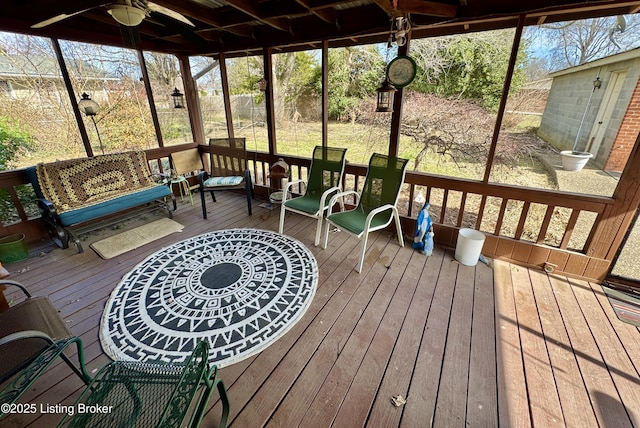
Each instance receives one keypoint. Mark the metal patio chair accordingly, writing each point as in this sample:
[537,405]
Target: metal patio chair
[32,337]
[324,180]
[151,394]
[376,205]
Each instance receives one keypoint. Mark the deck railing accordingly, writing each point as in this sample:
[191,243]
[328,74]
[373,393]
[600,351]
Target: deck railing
[510,214]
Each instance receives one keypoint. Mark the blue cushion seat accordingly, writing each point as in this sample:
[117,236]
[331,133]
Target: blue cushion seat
[223,181]
[90,212]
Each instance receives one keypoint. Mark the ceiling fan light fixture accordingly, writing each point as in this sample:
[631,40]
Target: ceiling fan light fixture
[126,15]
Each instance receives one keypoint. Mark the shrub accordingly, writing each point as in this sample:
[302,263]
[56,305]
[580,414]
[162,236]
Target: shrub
[12,139]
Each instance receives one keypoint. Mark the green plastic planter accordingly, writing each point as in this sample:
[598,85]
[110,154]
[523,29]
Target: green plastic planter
[13,248]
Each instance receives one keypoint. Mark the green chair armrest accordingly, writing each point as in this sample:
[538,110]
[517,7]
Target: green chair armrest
[23,380]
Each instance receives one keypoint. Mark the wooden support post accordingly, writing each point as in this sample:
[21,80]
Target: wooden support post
[193,100]
[225,94]
[503,99]
[74,101]
[396,116]
[152,104]
[610,231]
[325,92]
[269,102]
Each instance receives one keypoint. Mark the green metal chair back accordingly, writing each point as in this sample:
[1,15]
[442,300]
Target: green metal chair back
[382,185]
[326,170]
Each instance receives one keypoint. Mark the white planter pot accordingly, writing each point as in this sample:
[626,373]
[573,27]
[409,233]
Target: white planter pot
[574,161]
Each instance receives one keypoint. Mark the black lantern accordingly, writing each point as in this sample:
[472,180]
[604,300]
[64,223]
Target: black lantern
[178,98]
[90,108]
[87,105]
[385,97]
[597,83]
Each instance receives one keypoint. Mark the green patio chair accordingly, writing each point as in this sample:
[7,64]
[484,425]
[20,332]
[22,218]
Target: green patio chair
[151,394]
[19,383]
[324,180]
[229,170]
[32,337]
[376,205]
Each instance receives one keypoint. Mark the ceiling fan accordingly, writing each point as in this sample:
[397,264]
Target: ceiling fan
[127,12]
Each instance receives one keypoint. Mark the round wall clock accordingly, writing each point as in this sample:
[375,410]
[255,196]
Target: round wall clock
[401,71]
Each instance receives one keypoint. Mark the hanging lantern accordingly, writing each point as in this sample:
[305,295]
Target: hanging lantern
[385,97]
[87,105]
[262,84]
[178,98]
[597,84]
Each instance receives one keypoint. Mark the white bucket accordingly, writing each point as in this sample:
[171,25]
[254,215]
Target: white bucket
[469,246]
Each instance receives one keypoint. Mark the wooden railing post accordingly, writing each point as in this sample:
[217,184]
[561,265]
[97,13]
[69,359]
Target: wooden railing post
[609,233]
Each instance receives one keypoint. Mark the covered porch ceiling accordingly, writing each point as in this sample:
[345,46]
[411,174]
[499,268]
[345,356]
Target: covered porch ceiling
[240,27]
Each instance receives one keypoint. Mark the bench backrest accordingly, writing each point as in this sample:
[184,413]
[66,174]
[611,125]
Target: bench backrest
[74,183]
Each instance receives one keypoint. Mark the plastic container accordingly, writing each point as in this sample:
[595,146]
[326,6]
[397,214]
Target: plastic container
[469,246]
[13,248]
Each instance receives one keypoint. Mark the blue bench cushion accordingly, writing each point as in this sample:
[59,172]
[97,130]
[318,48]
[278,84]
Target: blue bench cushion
[90,212]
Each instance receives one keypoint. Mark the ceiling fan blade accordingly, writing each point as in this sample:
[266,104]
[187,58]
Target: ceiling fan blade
[58,18]
[153,7]
[63,16]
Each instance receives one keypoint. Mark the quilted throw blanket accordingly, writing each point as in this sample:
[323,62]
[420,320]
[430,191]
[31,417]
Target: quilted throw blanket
[76,183]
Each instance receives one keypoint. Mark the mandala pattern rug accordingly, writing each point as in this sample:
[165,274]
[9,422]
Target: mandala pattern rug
[240,289]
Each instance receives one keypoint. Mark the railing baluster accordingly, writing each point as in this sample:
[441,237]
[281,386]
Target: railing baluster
[463,201]
[503,208]
[523,219]
[412,189]
[573,219]
[483,202]
[443,210]
[545,224]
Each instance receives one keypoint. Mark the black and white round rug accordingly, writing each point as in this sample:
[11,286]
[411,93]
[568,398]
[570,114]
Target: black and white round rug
[240,289]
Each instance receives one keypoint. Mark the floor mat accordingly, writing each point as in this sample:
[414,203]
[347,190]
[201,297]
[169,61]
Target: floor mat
[134,238]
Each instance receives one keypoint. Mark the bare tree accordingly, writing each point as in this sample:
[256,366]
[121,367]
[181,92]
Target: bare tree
[567,44]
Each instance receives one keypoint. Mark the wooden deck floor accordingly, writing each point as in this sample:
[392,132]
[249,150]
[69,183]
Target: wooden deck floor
[465,346]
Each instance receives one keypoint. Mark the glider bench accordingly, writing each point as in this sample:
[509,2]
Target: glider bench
[72,194]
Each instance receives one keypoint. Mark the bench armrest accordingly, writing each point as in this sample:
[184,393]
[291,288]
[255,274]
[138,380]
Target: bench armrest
[46,207]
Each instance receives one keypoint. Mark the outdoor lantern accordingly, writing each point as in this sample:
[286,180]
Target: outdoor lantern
[178,98]
[597,83]
[262,84]
[385,97]
[87,105]
[90,108]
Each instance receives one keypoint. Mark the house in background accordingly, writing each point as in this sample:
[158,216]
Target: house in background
[604,120]
[39,79]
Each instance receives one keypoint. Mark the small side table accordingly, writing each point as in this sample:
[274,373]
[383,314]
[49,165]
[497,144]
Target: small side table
[183,185]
